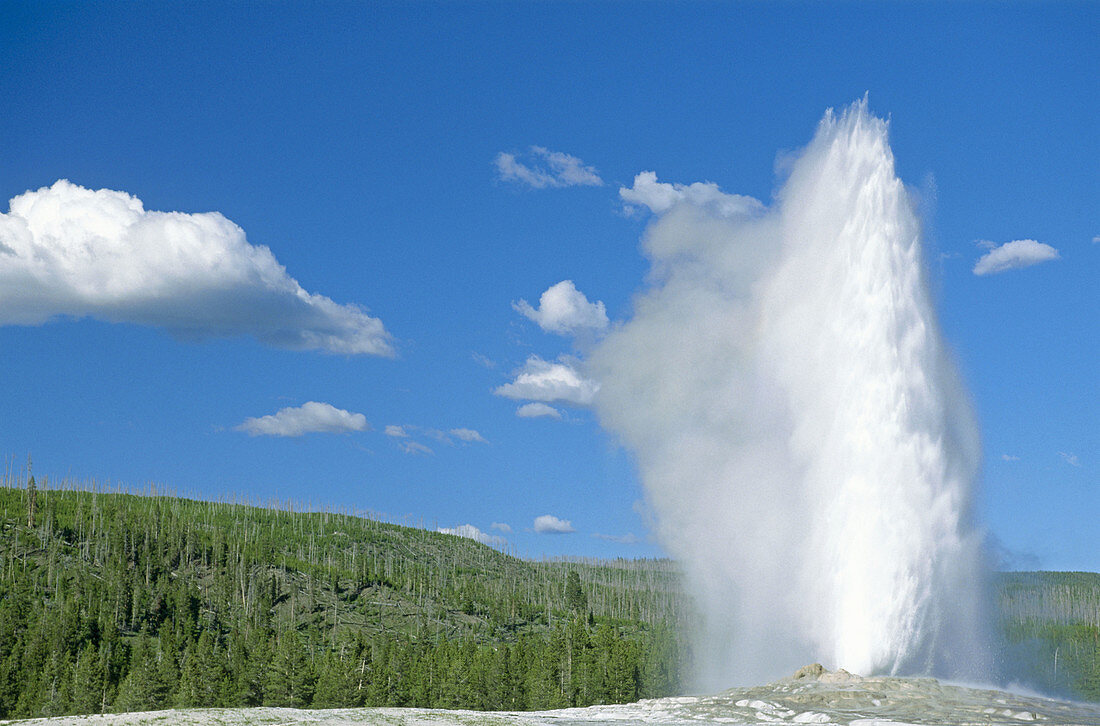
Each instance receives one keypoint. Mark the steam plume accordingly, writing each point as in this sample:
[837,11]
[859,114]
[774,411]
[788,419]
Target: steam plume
[801,432]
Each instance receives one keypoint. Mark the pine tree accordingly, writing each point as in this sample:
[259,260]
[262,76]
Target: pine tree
[289,680]
[336,683]
[89,682]
[57,685]
[138,691]
[575,598]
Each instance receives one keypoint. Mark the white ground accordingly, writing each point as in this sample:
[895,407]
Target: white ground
[833,699]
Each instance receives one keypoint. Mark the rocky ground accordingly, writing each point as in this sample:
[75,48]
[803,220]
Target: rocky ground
[813,695]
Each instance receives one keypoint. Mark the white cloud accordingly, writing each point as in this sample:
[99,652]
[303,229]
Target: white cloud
[414,447]
[436,434]
[541,380]
[501,527]
[1069,458]
[537,410]
[1009,457]
[547,169]
[1013,256]
[310,417]
[411,447]
[468,435]
[70,251]
[627,539]
[549,524]
[469,531]
[1096,239]
[660,197]
[483,360]
[563,309]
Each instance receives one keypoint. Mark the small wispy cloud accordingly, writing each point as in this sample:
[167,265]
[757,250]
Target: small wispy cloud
[543,168]
[1009,457]
[1007,558]
[468,435]
[70,251]
[549,524]
[483,360]
[501,527]
[414,447]
[1069,458]
[628,539]
[660,197]
[310,417]
[1013,255]
[404,433]
[469,531]
[537,410]
[436,434]
[541,380]
[563,309]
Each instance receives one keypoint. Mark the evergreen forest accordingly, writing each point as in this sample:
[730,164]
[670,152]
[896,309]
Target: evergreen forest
[111,601]
[118,602]
[1051,624]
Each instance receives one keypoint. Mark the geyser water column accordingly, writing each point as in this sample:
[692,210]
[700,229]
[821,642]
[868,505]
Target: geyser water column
[800,429]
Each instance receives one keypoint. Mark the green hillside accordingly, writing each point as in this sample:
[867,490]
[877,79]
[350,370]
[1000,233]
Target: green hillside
[113,601]
[1051,622]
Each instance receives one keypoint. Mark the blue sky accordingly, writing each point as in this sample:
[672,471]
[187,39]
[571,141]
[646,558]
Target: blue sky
[361,144]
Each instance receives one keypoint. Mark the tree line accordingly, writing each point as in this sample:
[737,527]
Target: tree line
[117,602]
[1051,623]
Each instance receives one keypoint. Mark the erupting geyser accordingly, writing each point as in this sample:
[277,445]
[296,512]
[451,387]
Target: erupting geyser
[801,431]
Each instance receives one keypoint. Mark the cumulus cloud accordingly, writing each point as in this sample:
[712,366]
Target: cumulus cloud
[395,431]
[537,410]
[310,417]
[71,251]
[546,168]
[660,197]
[541,380]
[500,527]
[563,309]
[469,531]
[627,539]
[1013,256]
[549,524]
[468,435]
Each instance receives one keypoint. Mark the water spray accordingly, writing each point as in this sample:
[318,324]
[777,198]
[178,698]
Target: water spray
[799,426]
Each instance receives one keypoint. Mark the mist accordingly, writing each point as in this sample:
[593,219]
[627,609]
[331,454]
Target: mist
[800,429]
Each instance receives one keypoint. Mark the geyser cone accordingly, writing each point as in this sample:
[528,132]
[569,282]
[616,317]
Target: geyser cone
[800,429]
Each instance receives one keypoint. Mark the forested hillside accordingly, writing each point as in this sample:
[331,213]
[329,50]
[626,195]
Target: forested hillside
[111,601]
[1051,621]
